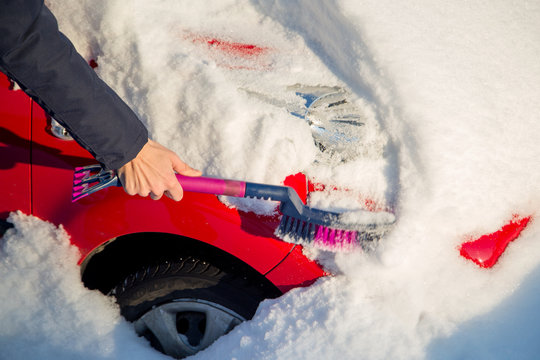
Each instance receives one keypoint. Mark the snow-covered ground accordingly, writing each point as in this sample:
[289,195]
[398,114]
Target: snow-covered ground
[450,91]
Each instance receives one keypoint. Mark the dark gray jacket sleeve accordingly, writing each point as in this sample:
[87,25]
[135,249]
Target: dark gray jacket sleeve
[35,54]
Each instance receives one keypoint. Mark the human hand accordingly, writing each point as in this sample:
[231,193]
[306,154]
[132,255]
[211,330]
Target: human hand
[152,172]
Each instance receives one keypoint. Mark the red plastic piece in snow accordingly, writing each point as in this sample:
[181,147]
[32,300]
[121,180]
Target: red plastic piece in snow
[486,250]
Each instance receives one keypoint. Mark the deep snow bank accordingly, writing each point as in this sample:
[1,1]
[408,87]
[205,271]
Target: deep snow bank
[46,312]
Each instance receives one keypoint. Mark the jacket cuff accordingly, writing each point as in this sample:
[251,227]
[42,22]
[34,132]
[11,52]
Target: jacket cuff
[117,162]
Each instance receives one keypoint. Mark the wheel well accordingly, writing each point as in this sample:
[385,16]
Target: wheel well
[116,259]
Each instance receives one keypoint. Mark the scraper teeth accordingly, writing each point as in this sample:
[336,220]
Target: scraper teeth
[89,179]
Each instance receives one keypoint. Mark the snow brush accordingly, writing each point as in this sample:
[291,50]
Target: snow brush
[299,223]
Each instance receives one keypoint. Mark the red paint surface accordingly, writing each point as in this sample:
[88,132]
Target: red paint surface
[15,116]
[236,49]
[486,250]
[234,55]
[293,270]
[299,183]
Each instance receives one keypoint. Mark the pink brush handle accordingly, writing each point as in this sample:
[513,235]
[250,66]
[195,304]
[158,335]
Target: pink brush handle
[214,186]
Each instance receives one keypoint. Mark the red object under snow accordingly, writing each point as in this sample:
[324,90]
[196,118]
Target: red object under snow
[486,250]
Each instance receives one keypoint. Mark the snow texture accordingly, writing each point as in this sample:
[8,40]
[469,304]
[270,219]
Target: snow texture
[449,92]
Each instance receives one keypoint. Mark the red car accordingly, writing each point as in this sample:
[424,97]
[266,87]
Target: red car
[185,273]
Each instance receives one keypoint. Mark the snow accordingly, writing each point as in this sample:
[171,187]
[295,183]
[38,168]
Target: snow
[450,92]
[46,312]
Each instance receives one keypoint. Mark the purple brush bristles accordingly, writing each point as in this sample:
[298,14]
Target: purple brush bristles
[321,236]
[79,187]
[335,238]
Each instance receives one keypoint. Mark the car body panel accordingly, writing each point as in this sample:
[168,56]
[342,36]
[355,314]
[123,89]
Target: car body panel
[14,149]
[295,271]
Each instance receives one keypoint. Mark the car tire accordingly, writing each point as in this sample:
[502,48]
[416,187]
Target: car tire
[183,306]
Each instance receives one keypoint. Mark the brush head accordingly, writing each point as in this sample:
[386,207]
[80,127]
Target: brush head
[333,231]
[299,231]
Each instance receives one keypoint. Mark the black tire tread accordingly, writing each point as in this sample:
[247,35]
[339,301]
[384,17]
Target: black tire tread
[230,286]
[187,265]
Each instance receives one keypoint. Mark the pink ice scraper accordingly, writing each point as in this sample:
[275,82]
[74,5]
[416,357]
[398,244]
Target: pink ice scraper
[299,223]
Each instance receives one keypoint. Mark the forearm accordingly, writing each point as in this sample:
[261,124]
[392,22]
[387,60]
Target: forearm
[46,65]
